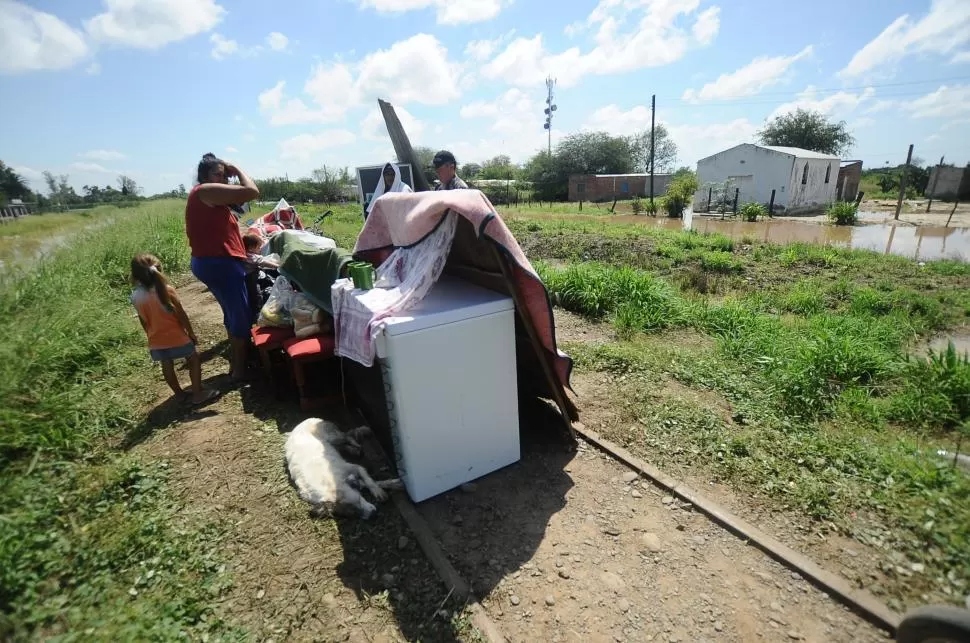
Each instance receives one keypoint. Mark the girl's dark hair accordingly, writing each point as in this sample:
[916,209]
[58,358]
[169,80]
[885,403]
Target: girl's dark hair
[252,241]
[208,162]
[146,270]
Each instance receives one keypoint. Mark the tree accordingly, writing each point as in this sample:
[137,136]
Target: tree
[12,185]
[470,170]
[808,130]
[181,191]
[330,183]
[499,167]
[423,157]
[665,150]
[582,153]
[128,186]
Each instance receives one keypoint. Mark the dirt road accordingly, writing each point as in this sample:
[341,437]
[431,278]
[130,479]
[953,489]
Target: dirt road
[561,546]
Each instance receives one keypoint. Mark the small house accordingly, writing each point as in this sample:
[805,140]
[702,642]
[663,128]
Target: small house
[606,187]
[949,183]
[802,180]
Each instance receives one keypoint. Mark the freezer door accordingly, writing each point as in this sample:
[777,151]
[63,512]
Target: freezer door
[453,402]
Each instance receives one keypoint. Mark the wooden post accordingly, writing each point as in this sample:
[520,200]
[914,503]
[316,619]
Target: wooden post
[771,204]
[710,193]
[737,193]
[902,182]
[955,204]
[858,198]
[936,179]
[653,110]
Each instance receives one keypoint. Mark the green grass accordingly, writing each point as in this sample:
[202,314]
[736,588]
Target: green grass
[22,238]
[89,541]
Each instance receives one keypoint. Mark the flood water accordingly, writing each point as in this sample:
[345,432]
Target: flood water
[921,243]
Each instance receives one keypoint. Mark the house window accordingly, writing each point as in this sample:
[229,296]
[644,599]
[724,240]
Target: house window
[625,187]
[805,175]
[828,173]
[580,188]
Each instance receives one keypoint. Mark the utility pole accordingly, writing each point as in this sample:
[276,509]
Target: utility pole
[902,182]
[936,179]
[550,108]
[653,111]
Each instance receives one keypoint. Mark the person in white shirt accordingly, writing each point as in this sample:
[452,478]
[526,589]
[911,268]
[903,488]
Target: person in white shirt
[390,182]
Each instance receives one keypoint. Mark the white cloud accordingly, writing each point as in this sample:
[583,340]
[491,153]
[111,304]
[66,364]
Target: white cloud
[222,47]
[749,80]
[448,12]
[93,69]
[415,70]
[514,128]
[150,24]
[91,167]
[881,106]
[483,49]
[32,40]
[655,34]
[693,141]
[277,41]
[960,57]
[941,31]
[28,173]
[102,155]
[945,102]
[837,103]
[304,146]
[231,150]
[707,25]
[373,127]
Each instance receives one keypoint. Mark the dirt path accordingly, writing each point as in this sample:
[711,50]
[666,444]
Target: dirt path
[560,546]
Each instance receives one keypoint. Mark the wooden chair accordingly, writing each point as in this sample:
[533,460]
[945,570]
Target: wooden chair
[268,340]
[316,348]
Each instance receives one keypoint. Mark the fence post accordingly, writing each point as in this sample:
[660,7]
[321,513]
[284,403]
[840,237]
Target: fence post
[737,193]
[902,182]
[955,204]
[936,179]
[858,198]
[710,192]
[771,204]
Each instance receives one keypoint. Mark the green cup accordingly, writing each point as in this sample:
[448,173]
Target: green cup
[362,274]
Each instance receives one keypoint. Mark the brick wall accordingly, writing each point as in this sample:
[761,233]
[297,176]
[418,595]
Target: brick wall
[589,187]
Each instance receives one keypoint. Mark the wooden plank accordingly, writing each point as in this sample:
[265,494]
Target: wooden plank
[860,601]
[402,146]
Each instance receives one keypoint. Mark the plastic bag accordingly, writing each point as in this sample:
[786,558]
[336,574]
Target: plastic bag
[276,310]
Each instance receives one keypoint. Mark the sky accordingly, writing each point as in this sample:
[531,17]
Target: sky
[95,88]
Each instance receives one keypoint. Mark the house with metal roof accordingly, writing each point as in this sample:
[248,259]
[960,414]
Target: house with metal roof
[801,180]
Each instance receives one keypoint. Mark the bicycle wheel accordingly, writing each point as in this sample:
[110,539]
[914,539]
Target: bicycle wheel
[935,624]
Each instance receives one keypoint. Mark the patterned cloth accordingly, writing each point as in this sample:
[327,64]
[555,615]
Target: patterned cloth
[402,220]
[403,280]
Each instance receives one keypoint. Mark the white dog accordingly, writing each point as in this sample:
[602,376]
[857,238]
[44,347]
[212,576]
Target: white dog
[323,478]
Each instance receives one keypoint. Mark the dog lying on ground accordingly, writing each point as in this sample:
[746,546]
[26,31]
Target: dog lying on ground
[324,478]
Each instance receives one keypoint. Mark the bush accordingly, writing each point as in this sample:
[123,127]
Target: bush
[637,205]
[751,212]
[680,193]
[843,213]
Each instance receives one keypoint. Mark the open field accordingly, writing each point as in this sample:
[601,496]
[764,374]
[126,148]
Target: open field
[791,383]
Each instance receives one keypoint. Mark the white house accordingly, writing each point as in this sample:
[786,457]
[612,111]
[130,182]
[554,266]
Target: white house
[802,180]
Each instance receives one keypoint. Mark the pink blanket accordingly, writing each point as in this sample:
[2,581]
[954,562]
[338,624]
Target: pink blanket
[401,219]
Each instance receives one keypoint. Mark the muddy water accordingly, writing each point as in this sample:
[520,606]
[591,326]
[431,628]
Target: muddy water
[919,243]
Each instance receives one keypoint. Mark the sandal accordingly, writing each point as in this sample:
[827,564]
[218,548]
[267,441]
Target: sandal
[210,394]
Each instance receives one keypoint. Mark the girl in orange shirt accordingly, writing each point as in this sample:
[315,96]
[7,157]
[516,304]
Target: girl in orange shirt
[170,334]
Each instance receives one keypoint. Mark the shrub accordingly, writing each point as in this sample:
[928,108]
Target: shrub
[751,212]
[637,205]
[680,193]
[842,213]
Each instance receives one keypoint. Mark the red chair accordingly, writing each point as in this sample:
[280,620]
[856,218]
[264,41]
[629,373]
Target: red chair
[316,348]
[267,340]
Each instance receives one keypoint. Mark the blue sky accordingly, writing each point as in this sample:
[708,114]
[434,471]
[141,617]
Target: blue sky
[94,88]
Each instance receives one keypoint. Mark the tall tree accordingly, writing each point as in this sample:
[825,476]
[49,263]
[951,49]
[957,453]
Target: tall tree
[470,170]
[809,130]
[665,150]
[12,185]
[582,153]
[423,156]
[128,186]
[498,167]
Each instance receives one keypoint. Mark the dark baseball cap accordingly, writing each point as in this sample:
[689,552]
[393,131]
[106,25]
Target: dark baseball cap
[442,157]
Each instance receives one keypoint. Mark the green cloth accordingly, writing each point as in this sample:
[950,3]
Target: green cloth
[312,269]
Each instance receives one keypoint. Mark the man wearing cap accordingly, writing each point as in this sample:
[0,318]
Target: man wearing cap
[445,167]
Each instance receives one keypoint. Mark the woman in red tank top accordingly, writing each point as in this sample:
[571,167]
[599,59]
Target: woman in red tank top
[218,254]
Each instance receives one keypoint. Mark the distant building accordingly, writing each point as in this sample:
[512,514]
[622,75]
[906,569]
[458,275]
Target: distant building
[850,174]
[606,187]
[953,183]
[803,181]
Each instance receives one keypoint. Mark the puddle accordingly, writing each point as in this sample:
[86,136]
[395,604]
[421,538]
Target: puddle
[961,342]
[921,243]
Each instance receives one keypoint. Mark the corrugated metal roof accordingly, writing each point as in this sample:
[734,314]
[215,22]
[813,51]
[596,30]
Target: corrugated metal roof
[607,176]
[798,152]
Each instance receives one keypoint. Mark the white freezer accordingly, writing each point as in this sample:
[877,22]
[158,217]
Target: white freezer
[450,383]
